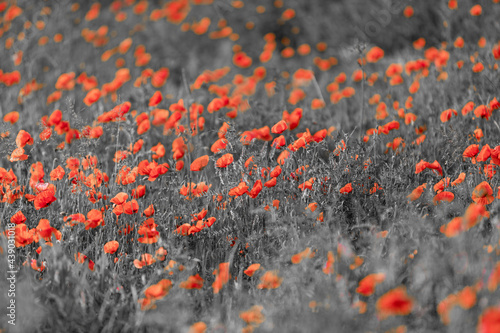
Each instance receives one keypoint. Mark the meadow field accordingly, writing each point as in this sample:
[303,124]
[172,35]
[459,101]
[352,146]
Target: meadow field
[250,166]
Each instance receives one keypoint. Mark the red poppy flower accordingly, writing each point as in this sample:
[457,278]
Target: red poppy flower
[443,196]
[148,232]
[92,97]
[24,236]
[489,321]
[447,114]
[293,119]
[466,298]
[45,198]
[422,165]
[476,10]
[179,165]
[45,231]
[374,54]
[159,290]
[155,99]
[159,151]
[473,215]
[80,258]
[239,190]
[489,170]
[408,11]
[148,212]
[276,171]
[484,154]
[18,218]
[193,282]
[94,219]
[120,155]
[478,67]
[483,111]
[307,184]
[395,302]
[470,152]
[453,228]
[279,127]
[198,327]
[279,142]
[200,216]
[131,207]
[55,118]
[111,247]
[23,138]
[252,269]
[439,187]
[159,77]
[224,161]
[328,268]
[445,306]
[459,179]
[257,187]
[93,12]
[270,280]
[419,44]
[219,145]
[66,81]
[11,117]
[143,126]
[366,286]
[240,59]
[74,218]
[253,317]
[200,163]
[270,183]
[160,116]
[297,258]
[216,104]
[483,194]
[120,198]
[146,260]
[494,278]
[494,104]
[18,155]
[45,134]
[183,229]
[34,265]
[222,277]
[495,155]
[346,189]
[283,157]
